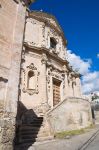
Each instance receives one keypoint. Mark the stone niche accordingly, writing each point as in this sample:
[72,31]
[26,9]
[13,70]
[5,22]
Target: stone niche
[3,84]
[30,80]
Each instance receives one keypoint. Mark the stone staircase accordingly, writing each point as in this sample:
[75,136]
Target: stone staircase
[27,133]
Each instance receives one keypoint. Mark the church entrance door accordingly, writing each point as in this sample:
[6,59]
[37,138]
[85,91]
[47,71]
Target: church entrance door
[56,91]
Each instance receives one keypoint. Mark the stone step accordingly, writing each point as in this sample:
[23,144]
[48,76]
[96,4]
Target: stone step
[28,141]
[33,135]
[33,127]
[35,139]
[31,124]
[29,136]
[23,146]
[36,118]
[44,138]
[29,132]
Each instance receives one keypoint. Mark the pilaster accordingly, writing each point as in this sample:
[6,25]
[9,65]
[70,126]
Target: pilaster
[44,81]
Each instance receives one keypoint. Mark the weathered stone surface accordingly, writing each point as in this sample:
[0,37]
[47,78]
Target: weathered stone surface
[12,20]
[71,114]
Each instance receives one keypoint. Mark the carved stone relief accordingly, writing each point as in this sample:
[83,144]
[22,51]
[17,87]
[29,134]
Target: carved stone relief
[48,80]
[32,87]
[43,36]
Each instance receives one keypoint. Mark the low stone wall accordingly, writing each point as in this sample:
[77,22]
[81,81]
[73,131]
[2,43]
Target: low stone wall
[71,114]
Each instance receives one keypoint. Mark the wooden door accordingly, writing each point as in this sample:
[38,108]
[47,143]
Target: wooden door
[56,92]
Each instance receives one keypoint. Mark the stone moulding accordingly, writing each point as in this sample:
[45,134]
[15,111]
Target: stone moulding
[45,50]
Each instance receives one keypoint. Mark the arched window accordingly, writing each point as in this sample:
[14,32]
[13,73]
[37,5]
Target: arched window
[31,80]
[53,43]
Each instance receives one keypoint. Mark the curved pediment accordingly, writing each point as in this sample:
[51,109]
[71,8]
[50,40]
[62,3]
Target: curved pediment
[46,17]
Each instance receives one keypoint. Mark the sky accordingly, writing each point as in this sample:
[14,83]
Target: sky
[79,20]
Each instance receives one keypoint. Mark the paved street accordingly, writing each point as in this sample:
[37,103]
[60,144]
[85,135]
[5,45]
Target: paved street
[87,141]
[94,145]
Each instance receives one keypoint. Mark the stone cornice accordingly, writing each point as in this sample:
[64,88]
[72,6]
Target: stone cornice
[47,52]
[42,50]
[54,67]
[49,24]
[75,74]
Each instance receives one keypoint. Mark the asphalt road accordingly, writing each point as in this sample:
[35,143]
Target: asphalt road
[94,145]
[87,141]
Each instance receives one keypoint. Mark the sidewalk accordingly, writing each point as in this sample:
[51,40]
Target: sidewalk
[77,142]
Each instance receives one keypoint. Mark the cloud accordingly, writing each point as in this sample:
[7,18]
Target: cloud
[98,55]
[83,66]
[90,80]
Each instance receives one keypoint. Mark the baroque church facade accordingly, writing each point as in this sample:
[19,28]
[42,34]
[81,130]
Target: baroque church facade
[46,77]
[39,90]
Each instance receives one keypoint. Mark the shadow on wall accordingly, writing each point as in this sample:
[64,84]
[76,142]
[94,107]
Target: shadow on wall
[27,127]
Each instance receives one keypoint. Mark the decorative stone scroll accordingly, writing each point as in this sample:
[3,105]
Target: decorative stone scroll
[44,59]
[30,80]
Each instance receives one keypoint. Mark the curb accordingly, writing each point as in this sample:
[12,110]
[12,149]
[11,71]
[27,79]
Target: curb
[85,145]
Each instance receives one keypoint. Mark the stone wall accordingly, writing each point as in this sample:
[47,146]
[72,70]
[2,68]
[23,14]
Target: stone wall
[12,20]
[71,114]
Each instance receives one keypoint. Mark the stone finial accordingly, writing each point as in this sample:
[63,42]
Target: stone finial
[26,2]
